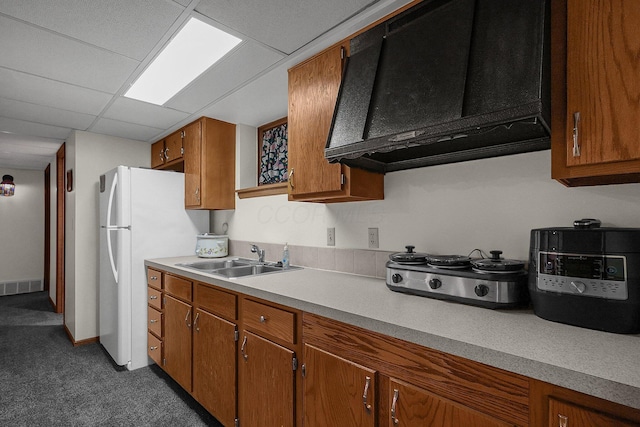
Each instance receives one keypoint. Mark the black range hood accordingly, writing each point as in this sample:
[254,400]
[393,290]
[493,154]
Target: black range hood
[445,81]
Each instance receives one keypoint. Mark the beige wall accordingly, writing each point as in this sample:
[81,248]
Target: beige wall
[89,155]
[22,225]
[447,209]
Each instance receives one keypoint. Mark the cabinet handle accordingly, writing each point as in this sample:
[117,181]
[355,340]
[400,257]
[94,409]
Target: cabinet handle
[242,348]
[153,347]
[154,277]
[263,319]
[153,297]
[394,405]
[162,156]
[291,179]
[563,420]
[186,319]
[195,322]
[166,153]
[367,383]
[152,321]
[197,193]
[576,141]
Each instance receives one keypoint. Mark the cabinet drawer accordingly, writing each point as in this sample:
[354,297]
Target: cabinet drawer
[270,320]
[154,318]
[154,298]
[216,301]
[177,287]
[154,348]
[154,278]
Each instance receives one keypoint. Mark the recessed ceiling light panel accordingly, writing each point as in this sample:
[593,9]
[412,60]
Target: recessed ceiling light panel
[195,48]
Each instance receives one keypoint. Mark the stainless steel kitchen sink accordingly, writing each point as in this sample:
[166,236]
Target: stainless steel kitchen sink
[236,267]
[217,264]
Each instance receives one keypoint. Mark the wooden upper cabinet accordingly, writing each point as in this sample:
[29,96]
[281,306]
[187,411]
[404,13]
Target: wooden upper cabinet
[596,112]
[173,148]
[210,164]
[205,150]
[313,91]
[167,152]
[192,165]
[157,154]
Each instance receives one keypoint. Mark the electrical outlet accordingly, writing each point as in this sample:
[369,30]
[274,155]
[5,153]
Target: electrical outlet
[331,236]
[373,238]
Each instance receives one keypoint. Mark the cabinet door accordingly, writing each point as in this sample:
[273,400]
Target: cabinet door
[267,383]
[157,154]
[337,391]
[173,149]
[214,366]
[602,81]
[177,341]
[414,407]
[313,90]
[562,414]
[192,164]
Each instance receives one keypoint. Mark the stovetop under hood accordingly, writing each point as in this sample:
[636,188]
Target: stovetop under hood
[445,81]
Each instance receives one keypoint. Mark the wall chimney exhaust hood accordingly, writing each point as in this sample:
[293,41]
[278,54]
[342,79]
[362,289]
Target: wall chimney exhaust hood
[445,81]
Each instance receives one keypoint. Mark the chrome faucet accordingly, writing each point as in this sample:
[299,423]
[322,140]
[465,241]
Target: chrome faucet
[256,250]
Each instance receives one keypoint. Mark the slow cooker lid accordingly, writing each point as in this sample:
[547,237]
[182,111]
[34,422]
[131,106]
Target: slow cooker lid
[495,263]
[409,257]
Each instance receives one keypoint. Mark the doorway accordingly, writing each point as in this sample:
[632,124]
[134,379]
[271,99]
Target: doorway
[47,228]
[60,215]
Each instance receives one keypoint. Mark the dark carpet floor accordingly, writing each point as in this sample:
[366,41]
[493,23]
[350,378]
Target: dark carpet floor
[45,381]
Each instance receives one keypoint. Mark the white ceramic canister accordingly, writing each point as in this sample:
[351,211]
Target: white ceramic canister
[212,245]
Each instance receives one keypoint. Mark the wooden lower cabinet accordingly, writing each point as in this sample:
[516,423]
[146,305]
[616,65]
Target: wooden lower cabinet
[411,406]
[214,365]
[435,388]
[267,383]
[350,376]
[177,341]
[563,414]
[337,391]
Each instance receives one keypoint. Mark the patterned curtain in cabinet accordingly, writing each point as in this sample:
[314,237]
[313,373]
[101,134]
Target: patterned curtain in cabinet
[273,156]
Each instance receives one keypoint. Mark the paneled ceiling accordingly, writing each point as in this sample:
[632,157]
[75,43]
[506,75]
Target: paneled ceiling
[65,64]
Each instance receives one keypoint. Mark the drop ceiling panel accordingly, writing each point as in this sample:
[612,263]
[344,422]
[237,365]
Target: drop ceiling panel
[142,113]
[285,25]
[125,130]
[23,152]
[46,115]
[38,90]
[130,28]
[22,127]
[35,51]
[233,70]
[12,160]
[260,102]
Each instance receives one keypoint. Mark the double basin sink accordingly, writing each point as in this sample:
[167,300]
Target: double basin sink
[236,267]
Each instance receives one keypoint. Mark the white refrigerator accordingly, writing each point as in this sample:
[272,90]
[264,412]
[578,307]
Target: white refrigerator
[142,216]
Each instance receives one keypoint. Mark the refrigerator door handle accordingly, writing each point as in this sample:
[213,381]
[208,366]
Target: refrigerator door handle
[111,197]
[114,269]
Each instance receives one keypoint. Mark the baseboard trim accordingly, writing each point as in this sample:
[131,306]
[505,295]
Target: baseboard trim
[80,342]
[53,304]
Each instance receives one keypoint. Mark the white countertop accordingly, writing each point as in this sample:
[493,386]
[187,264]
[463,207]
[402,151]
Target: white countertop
[601,364]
